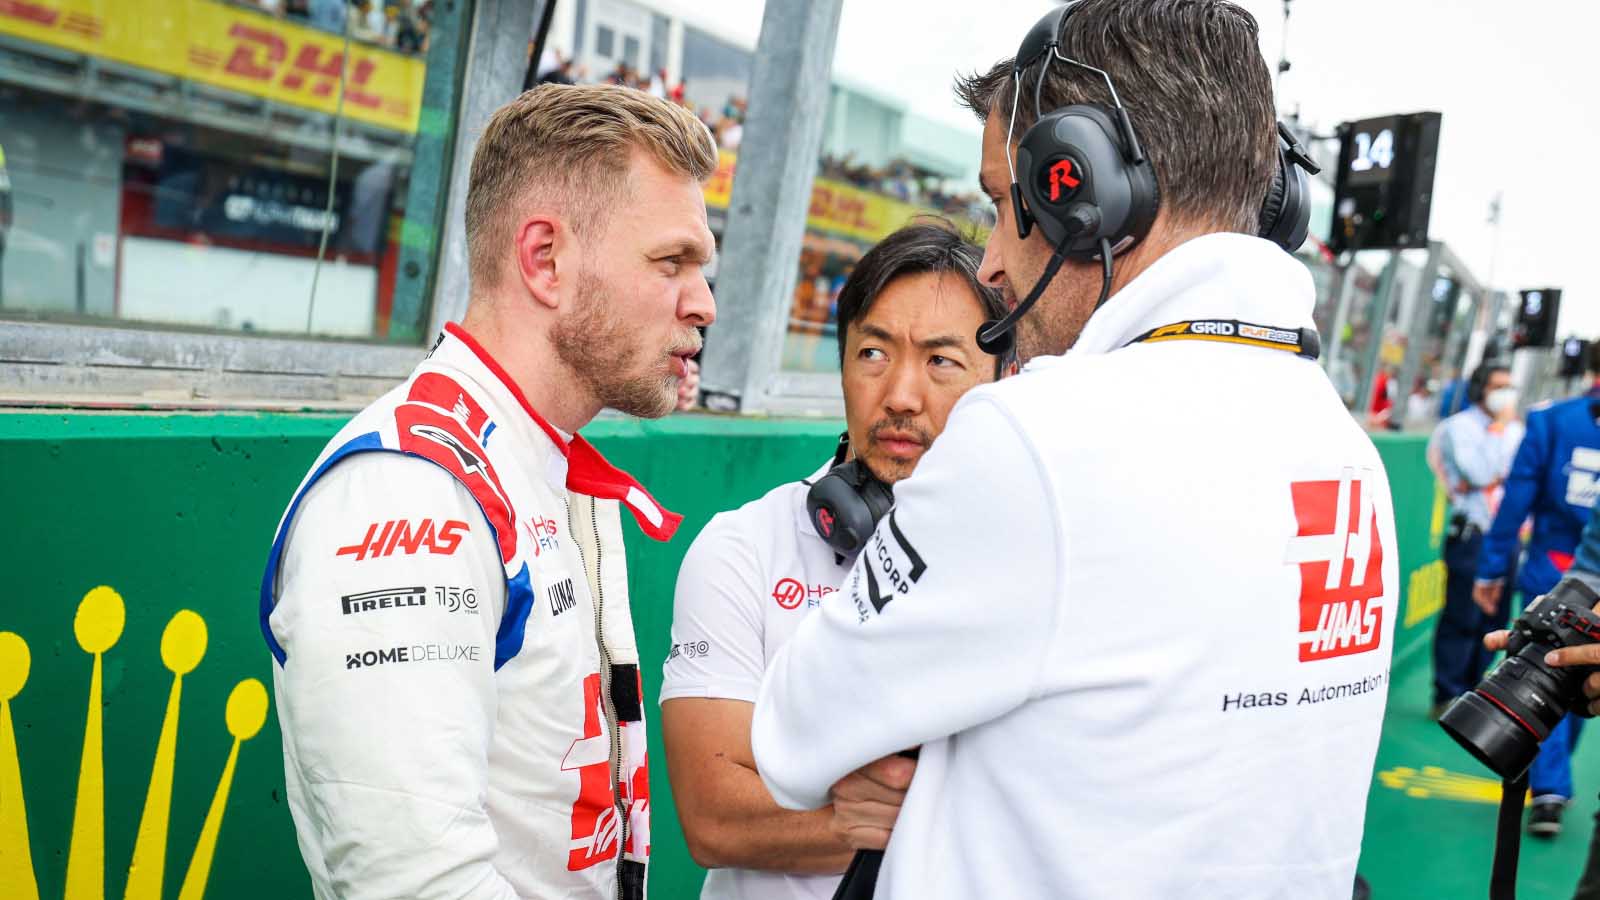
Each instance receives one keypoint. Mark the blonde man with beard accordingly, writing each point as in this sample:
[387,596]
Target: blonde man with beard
[455,666]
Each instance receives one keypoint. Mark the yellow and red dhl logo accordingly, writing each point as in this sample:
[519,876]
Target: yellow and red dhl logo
[846,209]
[71,21]
[719,187]
[261,54]
[207,41]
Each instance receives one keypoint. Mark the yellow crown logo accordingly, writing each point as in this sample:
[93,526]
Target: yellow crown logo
[97,627]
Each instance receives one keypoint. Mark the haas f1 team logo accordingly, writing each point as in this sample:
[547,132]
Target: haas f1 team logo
[1340,555]
[597,828]
[789,593]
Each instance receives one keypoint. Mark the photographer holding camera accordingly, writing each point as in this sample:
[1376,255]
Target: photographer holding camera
[1124,577]
[1573,663]
[1554,478]
[1586,568]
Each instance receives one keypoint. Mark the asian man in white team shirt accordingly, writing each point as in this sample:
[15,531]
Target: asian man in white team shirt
[908,318]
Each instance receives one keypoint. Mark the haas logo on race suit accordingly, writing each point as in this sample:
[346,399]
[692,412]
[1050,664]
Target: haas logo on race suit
[596,827]
[1340,555]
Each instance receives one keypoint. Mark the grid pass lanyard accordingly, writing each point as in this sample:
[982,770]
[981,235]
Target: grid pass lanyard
[1303,342]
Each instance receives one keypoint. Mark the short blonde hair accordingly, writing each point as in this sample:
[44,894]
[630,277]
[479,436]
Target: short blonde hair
[570,146]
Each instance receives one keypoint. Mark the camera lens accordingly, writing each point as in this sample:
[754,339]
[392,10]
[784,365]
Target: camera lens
[1490,734]
[1520,701]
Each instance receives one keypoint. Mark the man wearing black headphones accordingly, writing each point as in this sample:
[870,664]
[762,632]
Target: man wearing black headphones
[1137,608]
[908,319]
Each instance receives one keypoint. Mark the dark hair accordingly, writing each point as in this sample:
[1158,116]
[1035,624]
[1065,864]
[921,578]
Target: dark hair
[1478,384]
[930,244]
[1191,76]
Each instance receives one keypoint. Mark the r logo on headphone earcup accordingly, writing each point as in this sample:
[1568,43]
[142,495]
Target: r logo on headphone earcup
[845,505]
[1081,186]
[1060,178]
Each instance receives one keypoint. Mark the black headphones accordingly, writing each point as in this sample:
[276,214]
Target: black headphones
[1081,176]
[846,503]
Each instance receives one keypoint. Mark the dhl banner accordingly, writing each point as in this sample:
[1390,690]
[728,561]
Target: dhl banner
[836,207]
[229,47]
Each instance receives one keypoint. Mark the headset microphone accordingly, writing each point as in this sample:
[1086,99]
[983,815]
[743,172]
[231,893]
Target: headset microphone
[1080,175]
[998,337]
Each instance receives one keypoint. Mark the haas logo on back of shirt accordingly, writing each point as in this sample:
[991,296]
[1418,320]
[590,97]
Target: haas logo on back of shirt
[1340,555]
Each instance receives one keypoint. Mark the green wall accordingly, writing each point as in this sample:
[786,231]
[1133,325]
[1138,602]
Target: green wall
[176,512]
[1420,514]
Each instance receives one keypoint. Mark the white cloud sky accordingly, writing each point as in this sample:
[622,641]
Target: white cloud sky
[1516,83]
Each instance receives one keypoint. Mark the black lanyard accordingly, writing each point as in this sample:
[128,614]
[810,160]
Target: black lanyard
[1299,341]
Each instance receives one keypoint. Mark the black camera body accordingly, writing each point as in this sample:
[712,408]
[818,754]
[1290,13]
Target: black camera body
[1502,721]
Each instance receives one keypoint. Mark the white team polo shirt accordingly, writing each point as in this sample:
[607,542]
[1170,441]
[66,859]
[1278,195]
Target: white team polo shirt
[1136,605]
[747,582]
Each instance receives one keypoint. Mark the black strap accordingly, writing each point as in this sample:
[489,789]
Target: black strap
[860,881]
[1299,341]
[1508,839]
[843,449]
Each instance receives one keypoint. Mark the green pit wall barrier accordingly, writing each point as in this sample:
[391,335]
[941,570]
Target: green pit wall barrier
[112,701]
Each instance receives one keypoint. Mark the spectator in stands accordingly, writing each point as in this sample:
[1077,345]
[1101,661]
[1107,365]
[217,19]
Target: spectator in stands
[1553,478]
[329,15]
[1419,403]
[391,25]
[549,60]
[1452,396]
[411,34]
[907,355]
[561,74]
[367,21]
[1380,409]
[732,134]
[624,75]
[1473,449]
[678,94]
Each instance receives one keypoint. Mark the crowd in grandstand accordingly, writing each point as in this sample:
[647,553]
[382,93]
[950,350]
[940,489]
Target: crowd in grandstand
[899,178]
[398,24]
[904,181]
[403,25]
